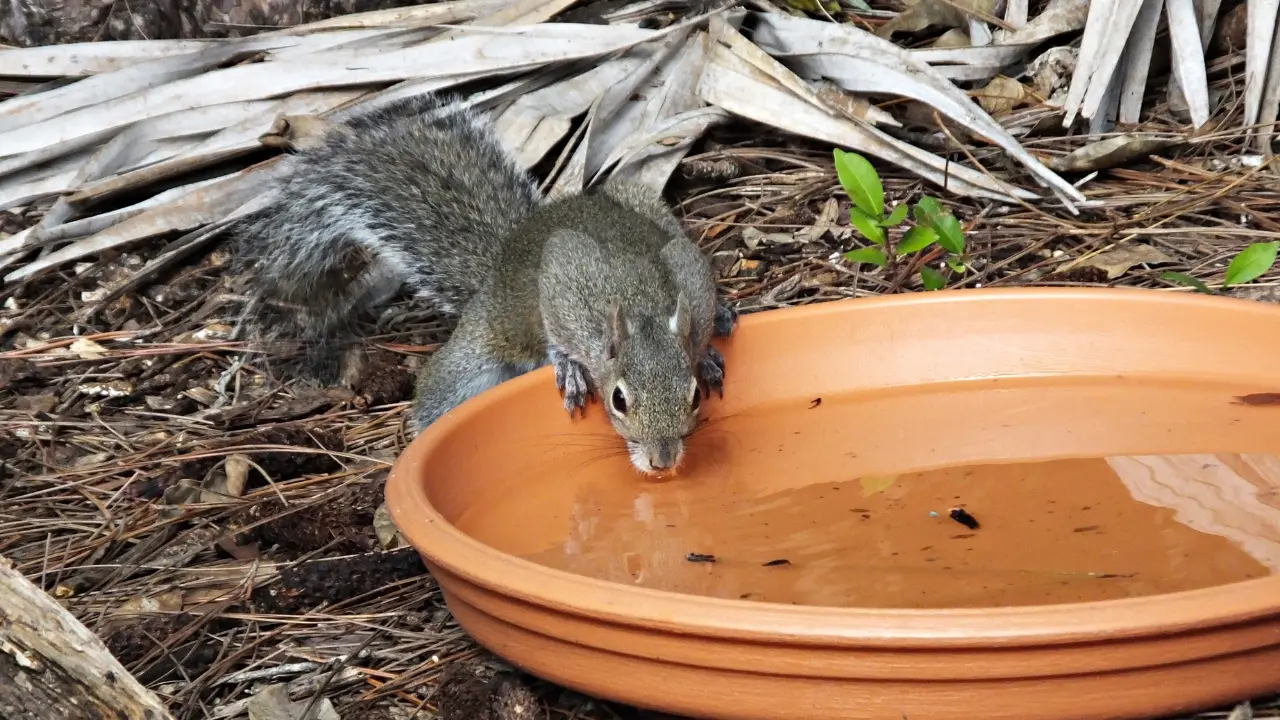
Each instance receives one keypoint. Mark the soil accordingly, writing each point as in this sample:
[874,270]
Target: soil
[305,586]
[465,694]
[167,647]
[342,523]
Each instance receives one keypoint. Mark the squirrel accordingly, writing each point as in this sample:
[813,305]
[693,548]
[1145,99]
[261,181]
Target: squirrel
[604,285]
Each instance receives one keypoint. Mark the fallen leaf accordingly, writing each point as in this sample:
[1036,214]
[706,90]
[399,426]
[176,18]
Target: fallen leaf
[389,536]
[822,279]
[827,220]
[851,106]
[1001,95]
[934,13]
[93,459]
[164,602]
[183,492]
[237,469]
[1110,153]
[160,404]
[754,238]
[88,349]
[273,703]
[874,484]
[1058,17]
[1117,261]
[1050,72]
[214,332]
[240,552]
[748,268]
[953,38]
[37,403]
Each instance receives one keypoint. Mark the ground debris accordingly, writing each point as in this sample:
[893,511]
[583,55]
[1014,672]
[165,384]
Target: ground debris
[310,584]
[464,694]
[273,703]
[156,648]
[338,522]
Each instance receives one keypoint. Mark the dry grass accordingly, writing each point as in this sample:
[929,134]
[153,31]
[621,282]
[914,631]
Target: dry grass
[275,573]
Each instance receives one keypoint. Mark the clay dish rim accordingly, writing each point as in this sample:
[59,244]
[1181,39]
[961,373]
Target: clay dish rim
[473,561]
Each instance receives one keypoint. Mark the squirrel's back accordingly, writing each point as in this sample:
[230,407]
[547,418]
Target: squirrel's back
[421,188]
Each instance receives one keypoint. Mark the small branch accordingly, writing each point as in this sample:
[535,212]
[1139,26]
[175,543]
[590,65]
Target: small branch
[53,668]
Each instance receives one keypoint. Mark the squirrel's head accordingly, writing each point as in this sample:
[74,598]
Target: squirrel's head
[649,384]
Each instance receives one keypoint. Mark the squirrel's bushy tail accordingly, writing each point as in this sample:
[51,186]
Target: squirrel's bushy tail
[419,191]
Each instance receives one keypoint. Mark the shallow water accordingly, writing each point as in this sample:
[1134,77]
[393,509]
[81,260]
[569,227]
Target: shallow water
[806,504]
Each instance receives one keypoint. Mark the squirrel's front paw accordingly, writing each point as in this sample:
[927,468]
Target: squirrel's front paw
[711,371]
[726,319]
[571,378]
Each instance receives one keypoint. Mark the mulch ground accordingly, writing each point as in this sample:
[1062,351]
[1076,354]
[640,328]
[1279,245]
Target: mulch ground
[216,519]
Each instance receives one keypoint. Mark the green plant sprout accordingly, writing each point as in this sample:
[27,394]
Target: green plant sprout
[931,223]
[1250,264]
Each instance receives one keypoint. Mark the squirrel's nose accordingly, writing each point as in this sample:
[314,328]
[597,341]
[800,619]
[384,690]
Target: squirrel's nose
[665,454]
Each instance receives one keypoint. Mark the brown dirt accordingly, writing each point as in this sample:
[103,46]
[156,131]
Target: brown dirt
[160,649]
[384,379]
[341,522]
[308,585]
[463,693]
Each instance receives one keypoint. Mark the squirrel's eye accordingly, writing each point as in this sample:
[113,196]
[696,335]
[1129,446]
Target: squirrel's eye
[697,398]
[619,401]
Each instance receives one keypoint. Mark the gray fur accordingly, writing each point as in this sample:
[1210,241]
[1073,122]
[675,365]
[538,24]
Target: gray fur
[429,193]
[426,189]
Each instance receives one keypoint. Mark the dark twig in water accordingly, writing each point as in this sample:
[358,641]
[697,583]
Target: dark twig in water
[963,517]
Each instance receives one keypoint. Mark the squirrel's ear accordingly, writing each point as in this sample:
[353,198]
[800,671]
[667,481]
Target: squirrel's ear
[615,329]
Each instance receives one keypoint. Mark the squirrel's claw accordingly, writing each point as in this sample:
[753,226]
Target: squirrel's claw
[571,379]
[711,371]
[725,321]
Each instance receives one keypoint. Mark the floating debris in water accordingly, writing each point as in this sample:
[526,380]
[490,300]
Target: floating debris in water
[816,402]
[934,513]
[776,563]
[963,517]
[1268,398]
[699,557]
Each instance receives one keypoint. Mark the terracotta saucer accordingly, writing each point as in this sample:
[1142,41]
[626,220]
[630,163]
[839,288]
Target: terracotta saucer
[717,657]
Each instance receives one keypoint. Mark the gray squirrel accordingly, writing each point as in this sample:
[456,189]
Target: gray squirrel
[604,285]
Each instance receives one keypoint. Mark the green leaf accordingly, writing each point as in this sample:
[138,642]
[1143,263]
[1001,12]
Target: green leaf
[896,217]
[926,210]
[1184,279]
[932,279]
[929,212]
[917,239]
[1251,263]
[875,256]
[861,181]
[950,236]
[812,6]
[866,225]
[956,264]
